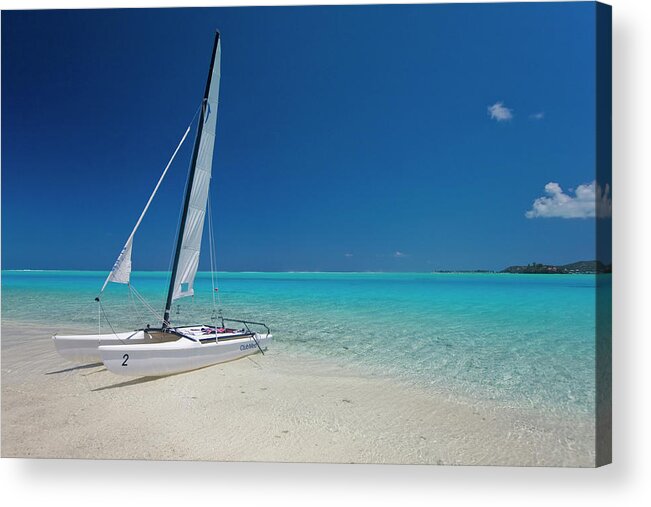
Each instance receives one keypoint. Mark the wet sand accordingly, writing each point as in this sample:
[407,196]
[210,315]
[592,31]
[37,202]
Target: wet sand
[262,408]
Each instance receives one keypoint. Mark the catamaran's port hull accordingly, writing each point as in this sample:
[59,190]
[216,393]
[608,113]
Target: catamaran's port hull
[157,359]
[84,348]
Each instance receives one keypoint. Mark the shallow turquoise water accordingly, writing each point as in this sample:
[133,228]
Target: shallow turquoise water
[522,340]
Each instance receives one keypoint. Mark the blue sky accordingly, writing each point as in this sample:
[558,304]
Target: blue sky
[349,138]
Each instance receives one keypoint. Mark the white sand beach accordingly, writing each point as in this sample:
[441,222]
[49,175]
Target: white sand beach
[263,408]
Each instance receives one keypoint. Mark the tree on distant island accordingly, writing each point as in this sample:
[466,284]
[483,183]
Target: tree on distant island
[580,267]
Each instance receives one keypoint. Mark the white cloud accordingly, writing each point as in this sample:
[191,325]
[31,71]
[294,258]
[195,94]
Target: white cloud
[537,116]
[499,112]
[348,254]
[588,201]
[399,254]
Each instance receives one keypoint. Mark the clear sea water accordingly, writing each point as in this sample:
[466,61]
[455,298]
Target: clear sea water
[520,340]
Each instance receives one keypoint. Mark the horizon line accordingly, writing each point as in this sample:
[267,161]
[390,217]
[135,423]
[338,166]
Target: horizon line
[441,271]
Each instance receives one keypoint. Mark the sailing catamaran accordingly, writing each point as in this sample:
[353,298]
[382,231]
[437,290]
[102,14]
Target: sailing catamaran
[168,349]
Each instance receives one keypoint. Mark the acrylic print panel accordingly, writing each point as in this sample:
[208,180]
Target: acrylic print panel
[407,250]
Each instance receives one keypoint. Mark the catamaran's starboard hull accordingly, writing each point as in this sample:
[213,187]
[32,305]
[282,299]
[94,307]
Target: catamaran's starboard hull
[154,360]
[84,348]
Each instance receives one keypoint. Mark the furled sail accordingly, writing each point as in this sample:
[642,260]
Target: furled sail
[188,254]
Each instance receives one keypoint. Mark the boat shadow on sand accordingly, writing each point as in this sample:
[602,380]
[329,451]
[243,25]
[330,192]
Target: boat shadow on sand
[132,382]
[74,368]
[144,380]
[136,381]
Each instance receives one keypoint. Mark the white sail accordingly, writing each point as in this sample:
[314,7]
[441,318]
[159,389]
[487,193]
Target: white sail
[188,262]
[121,271]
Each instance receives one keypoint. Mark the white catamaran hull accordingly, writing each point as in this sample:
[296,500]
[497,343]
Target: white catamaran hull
[177,356]
[84,348]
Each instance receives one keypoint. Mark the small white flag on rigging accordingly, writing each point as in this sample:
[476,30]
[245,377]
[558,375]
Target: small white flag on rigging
[122,267]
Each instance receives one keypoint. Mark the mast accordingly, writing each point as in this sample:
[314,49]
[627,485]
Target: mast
[188,191]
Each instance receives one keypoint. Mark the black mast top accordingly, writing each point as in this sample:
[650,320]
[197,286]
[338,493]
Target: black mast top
[188,192]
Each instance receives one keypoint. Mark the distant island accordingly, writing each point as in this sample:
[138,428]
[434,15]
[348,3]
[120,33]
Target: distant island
[535,268]
[581,267]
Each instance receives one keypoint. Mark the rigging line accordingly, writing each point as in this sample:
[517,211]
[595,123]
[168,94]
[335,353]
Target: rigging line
[135,306]
[146,304]
[219,297]
[101,308]
[107,321]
